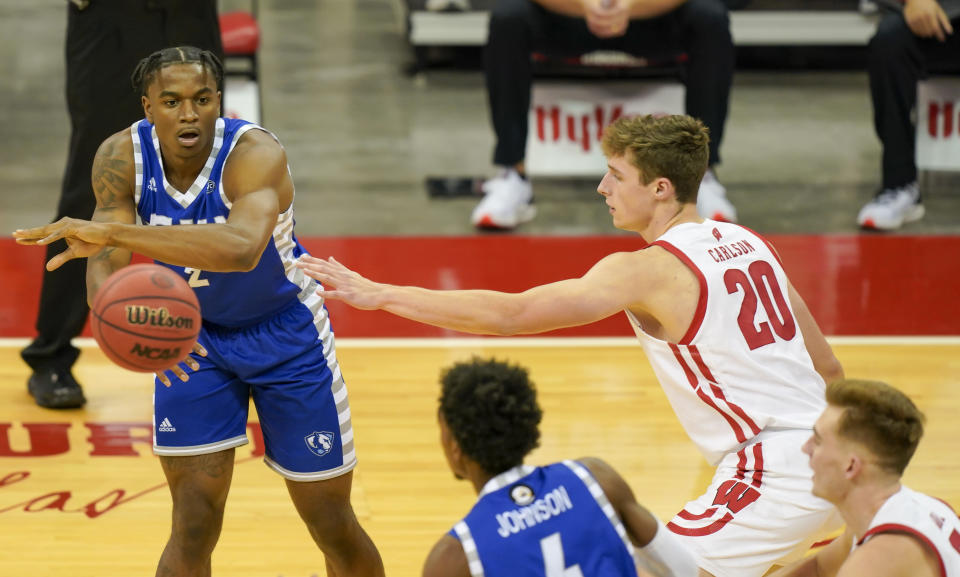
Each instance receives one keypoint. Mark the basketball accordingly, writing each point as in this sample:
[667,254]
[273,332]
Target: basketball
[146,318]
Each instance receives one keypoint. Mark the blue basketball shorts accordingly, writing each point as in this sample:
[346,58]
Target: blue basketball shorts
[288,364]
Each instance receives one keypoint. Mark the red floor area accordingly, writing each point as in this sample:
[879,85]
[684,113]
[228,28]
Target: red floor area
[855,285]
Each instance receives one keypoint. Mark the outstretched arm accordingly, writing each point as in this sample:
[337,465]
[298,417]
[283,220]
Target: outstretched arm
[256,181]
[670,558]
[603,291]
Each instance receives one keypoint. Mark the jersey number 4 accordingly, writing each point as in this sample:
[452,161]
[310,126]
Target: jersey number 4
[760,282]
[554,564]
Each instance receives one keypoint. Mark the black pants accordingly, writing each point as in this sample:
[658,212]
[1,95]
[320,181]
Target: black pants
[897,59]
[699,28]
[104,44]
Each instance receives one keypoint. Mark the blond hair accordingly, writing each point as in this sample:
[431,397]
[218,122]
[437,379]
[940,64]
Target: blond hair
[879,417]
[673,147]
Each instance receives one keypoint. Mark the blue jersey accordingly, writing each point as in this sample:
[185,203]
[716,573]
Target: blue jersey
[232,299]
[545,522]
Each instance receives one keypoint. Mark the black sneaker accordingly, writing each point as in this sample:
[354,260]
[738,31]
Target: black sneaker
[56,389]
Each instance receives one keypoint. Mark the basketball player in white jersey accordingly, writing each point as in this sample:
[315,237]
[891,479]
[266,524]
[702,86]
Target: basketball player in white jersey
[859,449]
[738,354]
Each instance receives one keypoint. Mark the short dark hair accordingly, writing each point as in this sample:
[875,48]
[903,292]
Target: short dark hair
[491,409]
[676,147]
[879,417]
[146,71]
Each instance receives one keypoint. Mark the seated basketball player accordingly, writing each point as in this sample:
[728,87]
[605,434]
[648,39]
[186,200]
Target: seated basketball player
[216,199]
[734,347]
[570,518]
[860,447]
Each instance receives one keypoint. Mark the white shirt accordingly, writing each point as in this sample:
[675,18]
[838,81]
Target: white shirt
[928,519]
[742,366]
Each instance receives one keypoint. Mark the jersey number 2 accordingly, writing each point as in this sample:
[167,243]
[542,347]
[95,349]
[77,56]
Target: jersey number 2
[553,562]
[762,283]
[195,280]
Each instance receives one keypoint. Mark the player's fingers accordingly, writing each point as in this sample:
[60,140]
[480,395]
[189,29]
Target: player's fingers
[316,265]
[162,376]
[945,21]
[192,363]
[198,348]
[180,373]
[58,260]
[34,233]
[306,258]
[321,276]
[52,237]
[942,26]
[329,294]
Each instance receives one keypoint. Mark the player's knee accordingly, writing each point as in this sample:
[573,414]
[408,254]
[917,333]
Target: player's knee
[333,526]
[196,524]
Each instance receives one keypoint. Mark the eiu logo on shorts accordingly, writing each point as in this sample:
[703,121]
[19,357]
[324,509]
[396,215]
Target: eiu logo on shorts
[319,442]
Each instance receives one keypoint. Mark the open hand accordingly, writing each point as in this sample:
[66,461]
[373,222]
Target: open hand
[341,283]
[178,369]
[84,238]
[926,19]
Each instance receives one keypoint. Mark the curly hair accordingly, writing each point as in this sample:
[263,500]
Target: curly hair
[675,147]
[491,409]
[146,71]
[879,417]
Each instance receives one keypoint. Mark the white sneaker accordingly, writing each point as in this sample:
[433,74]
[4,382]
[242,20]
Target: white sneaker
[447,5]
[890,209]
[508,201]
[712,200]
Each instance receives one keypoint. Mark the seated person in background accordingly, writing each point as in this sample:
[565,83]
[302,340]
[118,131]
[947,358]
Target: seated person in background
[575,518]
[904,48]
[859,449]
[648,28]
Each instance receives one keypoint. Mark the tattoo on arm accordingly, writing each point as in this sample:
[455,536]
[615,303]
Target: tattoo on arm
[109,177]
[104,255]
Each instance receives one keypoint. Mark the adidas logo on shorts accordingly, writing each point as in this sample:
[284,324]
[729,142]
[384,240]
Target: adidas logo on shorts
[166,426]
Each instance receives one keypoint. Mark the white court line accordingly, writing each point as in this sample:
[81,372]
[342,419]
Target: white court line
[543,342]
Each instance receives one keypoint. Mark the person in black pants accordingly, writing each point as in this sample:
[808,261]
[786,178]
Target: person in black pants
[105,41]
[700,29]
[905,48]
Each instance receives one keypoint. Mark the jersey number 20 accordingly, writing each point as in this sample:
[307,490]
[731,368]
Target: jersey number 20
[762,283]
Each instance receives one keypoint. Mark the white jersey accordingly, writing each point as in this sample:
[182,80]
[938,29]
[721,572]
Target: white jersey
[742,367]
[928,519]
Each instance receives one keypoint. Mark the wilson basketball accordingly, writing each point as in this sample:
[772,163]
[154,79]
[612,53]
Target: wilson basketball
[146,318]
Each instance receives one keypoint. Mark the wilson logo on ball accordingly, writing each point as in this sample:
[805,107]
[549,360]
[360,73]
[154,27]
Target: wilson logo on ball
[146,318]
[156,353]
[156,317]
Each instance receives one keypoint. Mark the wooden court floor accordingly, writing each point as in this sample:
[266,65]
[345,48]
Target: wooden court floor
[82,496]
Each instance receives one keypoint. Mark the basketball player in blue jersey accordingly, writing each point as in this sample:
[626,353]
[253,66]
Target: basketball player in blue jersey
[216,199]
[574,518]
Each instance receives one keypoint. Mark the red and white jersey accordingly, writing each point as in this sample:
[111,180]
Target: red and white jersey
[742,367]
[928,519]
